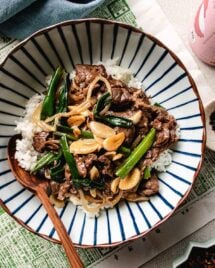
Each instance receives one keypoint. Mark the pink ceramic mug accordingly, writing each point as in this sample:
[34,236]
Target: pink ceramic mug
[202,38]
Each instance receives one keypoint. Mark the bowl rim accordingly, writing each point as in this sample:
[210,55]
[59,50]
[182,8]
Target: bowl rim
[195,90]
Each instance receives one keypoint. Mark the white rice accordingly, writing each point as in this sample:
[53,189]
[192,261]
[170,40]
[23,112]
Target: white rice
[25,153]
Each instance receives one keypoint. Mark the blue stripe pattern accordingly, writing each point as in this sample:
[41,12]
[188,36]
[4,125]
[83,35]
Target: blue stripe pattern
[89,42]
[137,49]
[190,140]
[62,36]
[144,216]
[178,177]
[155,209]
[182,104]
[125,46]
[23,204]
[115,32]
[120,223]
[164,54]
[82,230]
[5,172]
[108,226]
[22,66]
[14,91]
[167,203]
[178,79]
[145,59]
[101,41]
[162,76]
[183,165]
[78,43]
[33,214]
[35,62]
[186,153]
[14,195]
[51,43]
[188,117]
[171,188]
[42,53]
[72,221]
[95,231]
[51,234]
[176,95]
[41,223]
[7,183]
[133,218]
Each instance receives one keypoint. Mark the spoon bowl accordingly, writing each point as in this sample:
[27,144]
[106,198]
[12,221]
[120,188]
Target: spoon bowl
[40,188]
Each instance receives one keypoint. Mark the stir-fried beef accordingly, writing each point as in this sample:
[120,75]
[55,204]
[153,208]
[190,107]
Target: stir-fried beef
[149,187]
[84,163]
[138,96]
[41,141]
[106,166]
[64,190]
[121,96]
[86,73]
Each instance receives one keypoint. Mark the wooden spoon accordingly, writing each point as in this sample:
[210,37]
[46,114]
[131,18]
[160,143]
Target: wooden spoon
[39,187]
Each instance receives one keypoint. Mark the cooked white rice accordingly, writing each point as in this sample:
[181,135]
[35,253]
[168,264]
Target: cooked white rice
[25,153]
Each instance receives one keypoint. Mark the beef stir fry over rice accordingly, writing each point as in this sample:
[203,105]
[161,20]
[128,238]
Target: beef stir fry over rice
[96,139]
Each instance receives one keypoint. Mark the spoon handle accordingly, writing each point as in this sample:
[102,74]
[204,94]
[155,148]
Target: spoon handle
[71,253]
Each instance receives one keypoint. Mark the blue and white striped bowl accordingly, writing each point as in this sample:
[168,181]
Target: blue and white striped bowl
[164,77]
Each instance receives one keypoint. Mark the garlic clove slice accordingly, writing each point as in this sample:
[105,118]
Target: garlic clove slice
[114,142]
[101,130]
[84,146]
[131,180]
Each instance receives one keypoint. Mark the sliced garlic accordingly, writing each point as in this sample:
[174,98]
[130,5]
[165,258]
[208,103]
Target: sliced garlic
[36,114]
[84,146]
[133,197]
[99,140]
[114,185]
[131,180]
[101,130]
[117,157]
[110,154]
[94,173]
[58,203]
[93,192]
[76,131]
[135,118]
[75,120]
[112,143]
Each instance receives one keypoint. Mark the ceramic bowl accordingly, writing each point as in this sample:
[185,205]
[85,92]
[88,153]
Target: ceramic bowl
[165,79]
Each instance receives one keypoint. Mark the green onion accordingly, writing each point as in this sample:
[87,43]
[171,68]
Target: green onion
[48,106]
[86,134]
[124,150]
[137,154]
[69,136]
[69,158]
[111,120]
[45,160]
[147,173]
[63,97]
[115,121]
[102,102]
